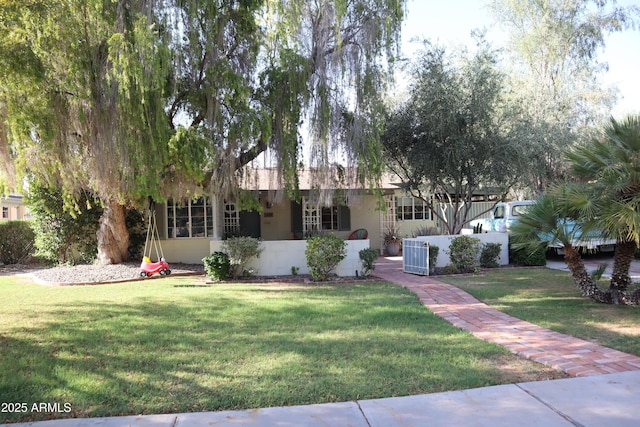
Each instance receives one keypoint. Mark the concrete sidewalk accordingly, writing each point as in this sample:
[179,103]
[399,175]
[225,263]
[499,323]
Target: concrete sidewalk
[595,401]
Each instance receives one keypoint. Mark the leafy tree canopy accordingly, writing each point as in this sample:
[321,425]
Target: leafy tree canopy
[555,73]
[453,136]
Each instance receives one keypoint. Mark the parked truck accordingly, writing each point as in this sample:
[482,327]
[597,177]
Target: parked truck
[505,214]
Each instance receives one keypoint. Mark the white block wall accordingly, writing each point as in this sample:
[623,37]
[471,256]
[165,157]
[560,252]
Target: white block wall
[444,241]
[278,256]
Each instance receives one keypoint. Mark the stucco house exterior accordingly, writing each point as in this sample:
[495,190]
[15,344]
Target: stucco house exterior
[192,229]
[12,208]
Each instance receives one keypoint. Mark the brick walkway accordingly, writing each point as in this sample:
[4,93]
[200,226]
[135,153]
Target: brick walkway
[574,356]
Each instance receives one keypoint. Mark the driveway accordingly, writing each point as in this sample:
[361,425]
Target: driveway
[592,262]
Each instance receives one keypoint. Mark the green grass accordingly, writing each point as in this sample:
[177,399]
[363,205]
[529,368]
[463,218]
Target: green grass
[175,345]
[550,299]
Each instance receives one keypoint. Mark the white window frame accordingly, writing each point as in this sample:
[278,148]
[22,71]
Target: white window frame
[231,219]
[187,230]
[323,218]
[311,217]
[400,209]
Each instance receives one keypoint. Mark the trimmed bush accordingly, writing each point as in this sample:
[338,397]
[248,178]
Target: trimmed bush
[217,265]
[368,257]
[240,251]
[324,253]
[464,252]
[490,255]
[16,241]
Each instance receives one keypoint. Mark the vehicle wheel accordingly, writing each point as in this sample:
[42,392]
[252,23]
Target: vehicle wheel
[163,272]
[168,272]
[143,274]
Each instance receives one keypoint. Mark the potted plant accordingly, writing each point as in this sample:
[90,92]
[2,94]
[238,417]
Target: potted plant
[392,241]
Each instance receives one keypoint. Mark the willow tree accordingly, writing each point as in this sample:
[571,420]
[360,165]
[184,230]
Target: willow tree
[171,98]
[82,92]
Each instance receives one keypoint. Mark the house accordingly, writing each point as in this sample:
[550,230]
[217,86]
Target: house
[192,229]
[13,208]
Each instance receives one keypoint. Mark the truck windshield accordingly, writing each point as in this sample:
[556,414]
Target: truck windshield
[520,210]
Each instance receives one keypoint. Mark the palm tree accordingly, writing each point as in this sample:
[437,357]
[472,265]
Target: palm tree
[610,168]
[545,223]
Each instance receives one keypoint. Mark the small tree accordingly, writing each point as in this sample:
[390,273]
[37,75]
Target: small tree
[323,253]
[453,137]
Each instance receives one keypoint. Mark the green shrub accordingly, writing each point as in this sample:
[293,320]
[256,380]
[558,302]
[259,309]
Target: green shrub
[64,234]
[463,252]
[433,258]
[368,257]
[490,255]
[323,253]
[16,241]
[217,265]
[525,257]
[241,250]
[449,269]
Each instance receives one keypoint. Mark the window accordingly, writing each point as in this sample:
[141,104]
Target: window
[330,218]
[5,212]
[411,209]
[191,218]
[231,219]
[336,217]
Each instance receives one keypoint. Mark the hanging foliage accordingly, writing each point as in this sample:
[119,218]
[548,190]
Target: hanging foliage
[172,98]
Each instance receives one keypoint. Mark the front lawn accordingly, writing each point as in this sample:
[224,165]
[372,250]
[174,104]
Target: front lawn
[176,345]
[550,299]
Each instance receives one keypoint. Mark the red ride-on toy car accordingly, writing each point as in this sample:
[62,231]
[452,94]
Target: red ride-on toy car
[150,268]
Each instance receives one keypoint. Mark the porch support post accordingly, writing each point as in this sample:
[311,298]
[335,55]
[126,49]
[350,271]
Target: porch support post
[215,216]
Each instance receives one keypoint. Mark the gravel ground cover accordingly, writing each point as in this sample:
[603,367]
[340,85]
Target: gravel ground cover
[89,273]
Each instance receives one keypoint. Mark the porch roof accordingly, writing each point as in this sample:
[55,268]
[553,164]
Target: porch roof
[265,179]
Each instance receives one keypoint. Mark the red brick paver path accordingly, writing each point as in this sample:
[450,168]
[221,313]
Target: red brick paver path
[574,356]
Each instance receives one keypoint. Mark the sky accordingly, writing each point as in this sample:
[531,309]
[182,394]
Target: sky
[450,22]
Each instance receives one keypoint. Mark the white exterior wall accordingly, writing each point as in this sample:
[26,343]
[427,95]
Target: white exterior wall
[187,251]
[443,242]
[12,208]
[278,256]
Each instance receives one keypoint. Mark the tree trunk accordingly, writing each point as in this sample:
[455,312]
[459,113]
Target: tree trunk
[620,279]
[113,236]
[581,277]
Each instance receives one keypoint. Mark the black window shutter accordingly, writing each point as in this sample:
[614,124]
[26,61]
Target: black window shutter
[344,218]
[296,217]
